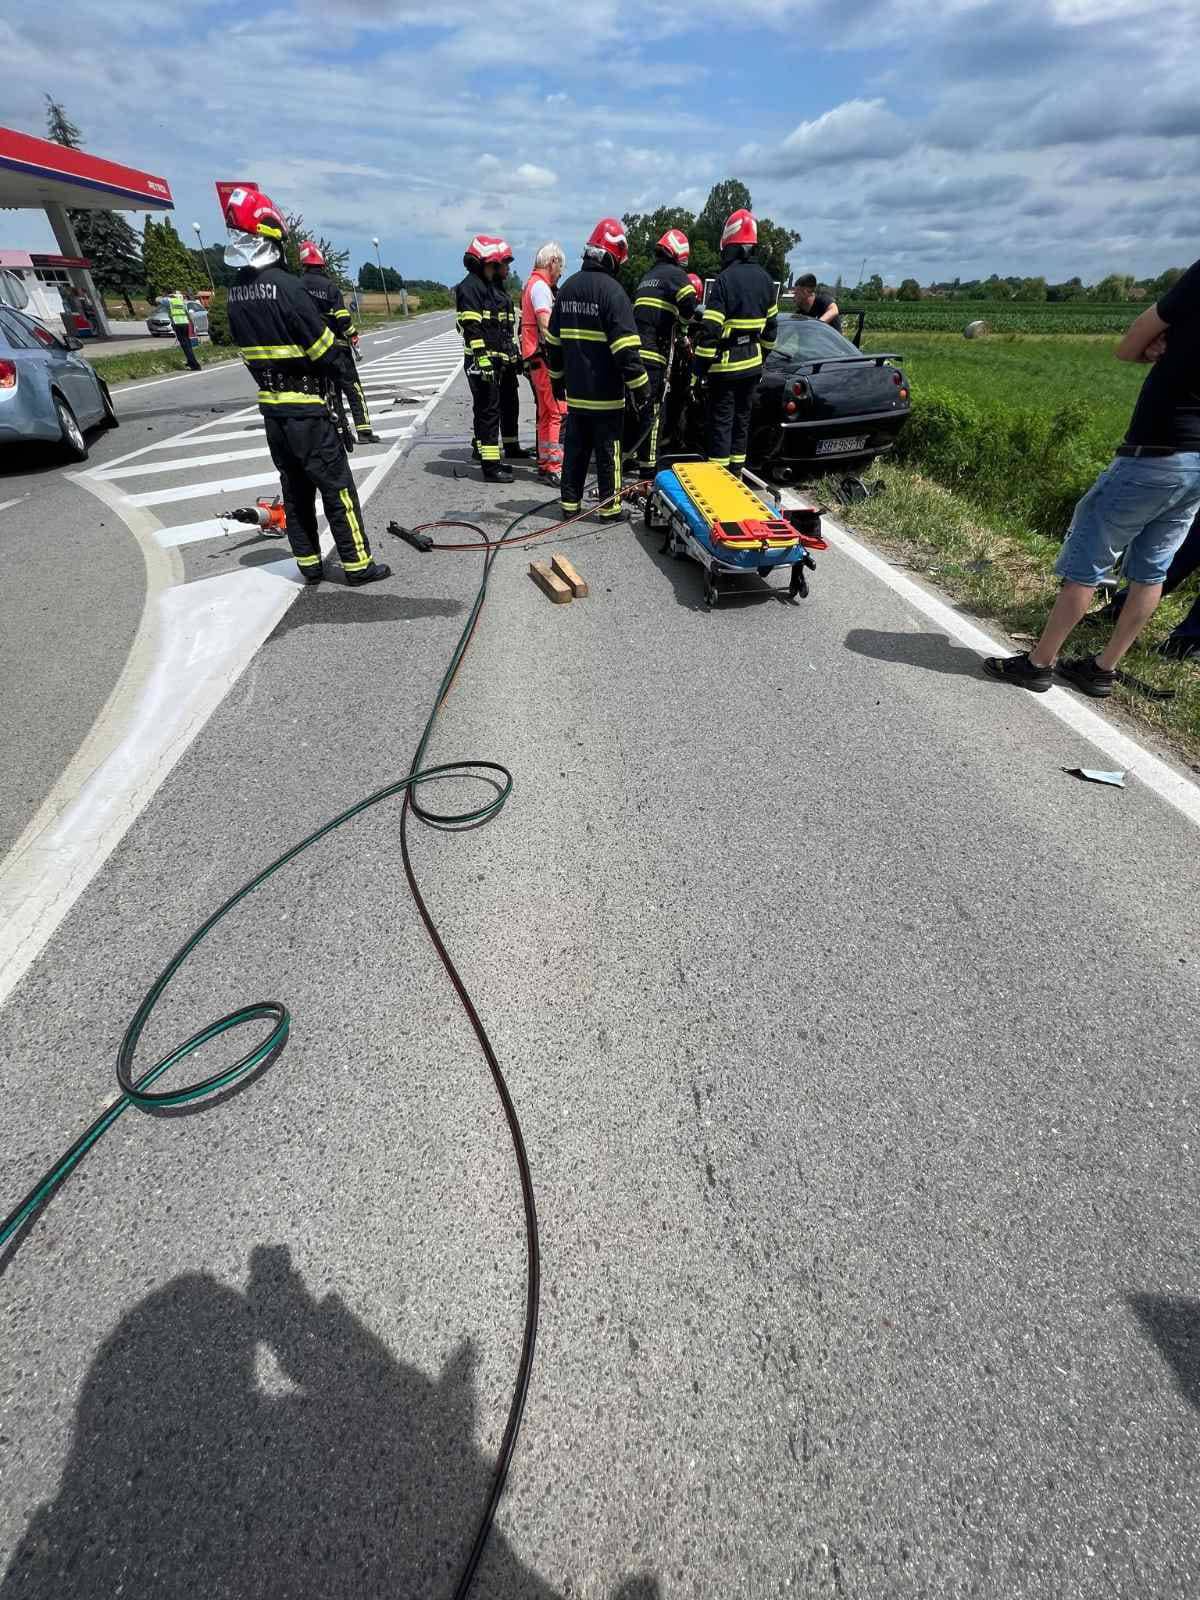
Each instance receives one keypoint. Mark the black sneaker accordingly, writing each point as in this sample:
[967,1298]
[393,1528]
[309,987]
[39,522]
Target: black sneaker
[1019,670]
[548,476]
[1082,673]
[1178,647]
[371,574]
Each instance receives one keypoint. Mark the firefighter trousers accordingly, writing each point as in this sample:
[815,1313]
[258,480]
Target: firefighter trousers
[550,416]
[312,460]
[646,426]
[588,434]
[727,420]
[496,406]
[352,389]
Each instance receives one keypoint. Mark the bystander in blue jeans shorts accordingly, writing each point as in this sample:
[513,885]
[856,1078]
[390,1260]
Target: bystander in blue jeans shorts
[1141,506]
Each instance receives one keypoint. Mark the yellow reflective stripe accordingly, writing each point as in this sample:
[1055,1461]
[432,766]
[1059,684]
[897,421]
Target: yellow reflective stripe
[550,338]
[684,291]
[712,315]
[742,323]
[270,352]
[738,366]
[767,344]
[469,316]
[652,355]
[596,405]
[308,561]
[584,333]
[477,344]
[342,312]
[719,461]
[639,382]
[657,305]
[288,397]
[627,341]
[319,346]
[489,452]
[773,312]
[706,352]
[356,533]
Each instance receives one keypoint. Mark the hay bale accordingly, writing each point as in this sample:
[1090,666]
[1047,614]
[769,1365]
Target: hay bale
[976,330]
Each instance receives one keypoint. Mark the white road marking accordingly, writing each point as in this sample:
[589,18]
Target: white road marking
[221,486]
[193,643]
[153,383]
[1157,775]
[7,504]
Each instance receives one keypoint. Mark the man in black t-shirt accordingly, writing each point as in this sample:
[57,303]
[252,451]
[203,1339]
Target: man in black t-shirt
[809,303]
[1139,509]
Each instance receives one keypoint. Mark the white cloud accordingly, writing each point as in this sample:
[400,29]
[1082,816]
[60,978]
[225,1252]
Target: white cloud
[855,130]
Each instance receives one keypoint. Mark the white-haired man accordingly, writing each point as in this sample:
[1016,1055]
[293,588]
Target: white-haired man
[537,302]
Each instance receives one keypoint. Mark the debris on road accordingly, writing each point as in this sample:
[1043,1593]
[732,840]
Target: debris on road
[1116,780]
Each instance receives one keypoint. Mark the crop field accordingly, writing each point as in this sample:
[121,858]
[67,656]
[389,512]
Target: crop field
[1011,374]
[1002,316]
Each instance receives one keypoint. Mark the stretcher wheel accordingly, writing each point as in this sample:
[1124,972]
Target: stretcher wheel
[711,593]
[647,511]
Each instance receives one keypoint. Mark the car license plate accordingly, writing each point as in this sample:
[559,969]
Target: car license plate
[842,447]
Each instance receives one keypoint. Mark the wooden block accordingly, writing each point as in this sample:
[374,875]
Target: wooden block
[549,584]
[569,576]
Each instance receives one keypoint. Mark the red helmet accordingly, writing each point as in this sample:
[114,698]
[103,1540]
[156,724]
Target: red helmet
[609,235]
[485,247]
[674,243]
[250,211]
[697,284]
[310,256]
[740,228]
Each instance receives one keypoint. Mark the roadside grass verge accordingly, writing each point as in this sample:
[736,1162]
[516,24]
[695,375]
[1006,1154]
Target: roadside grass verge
[1002,571]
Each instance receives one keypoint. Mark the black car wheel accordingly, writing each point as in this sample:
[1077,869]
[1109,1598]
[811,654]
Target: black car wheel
[111,420]
[74,445]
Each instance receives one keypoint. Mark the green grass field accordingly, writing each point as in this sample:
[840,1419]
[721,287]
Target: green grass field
[1023,372]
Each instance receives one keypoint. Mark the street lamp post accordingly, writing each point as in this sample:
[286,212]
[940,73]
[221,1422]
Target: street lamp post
[379,262]
[207,267]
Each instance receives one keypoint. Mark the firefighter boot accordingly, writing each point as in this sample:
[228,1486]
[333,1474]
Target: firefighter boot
[371,574]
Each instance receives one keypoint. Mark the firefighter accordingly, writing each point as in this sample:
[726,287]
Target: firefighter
[592,352]
[537,302]
[328,300]
[484,313]
[283,340]
[665,299]
[510,366]
[738,323]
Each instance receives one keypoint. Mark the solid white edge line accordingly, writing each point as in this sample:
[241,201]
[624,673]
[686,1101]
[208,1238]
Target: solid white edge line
[1151,770]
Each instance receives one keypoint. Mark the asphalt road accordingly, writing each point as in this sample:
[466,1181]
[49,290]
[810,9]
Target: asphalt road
[854,1046]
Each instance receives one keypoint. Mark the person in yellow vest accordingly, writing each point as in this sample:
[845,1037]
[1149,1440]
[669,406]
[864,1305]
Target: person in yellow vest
[181,321]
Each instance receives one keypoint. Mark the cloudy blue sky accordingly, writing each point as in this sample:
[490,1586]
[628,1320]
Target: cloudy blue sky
[951,140]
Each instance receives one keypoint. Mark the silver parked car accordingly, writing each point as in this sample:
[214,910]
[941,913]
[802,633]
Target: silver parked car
[159,320]
[47,391]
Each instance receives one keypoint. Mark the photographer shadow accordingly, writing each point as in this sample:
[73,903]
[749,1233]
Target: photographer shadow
[266,1444]
[935,652]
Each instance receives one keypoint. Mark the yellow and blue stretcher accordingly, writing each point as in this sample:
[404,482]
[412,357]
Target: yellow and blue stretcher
[721,523]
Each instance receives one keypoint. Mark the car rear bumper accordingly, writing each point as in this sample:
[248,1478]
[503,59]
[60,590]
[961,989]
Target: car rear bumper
[25,416]
[800,438]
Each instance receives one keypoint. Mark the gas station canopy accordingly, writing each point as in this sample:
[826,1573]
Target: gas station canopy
[37,173]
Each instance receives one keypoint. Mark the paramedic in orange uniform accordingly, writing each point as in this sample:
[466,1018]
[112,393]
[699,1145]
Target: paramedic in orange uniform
[537,302]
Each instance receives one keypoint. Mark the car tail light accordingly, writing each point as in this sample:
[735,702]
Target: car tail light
[903,392]
[800,390]
[8,374]
[790,407]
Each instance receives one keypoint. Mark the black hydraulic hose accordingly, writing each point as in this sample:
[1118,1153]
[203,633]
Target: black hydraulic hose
[136,1089]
